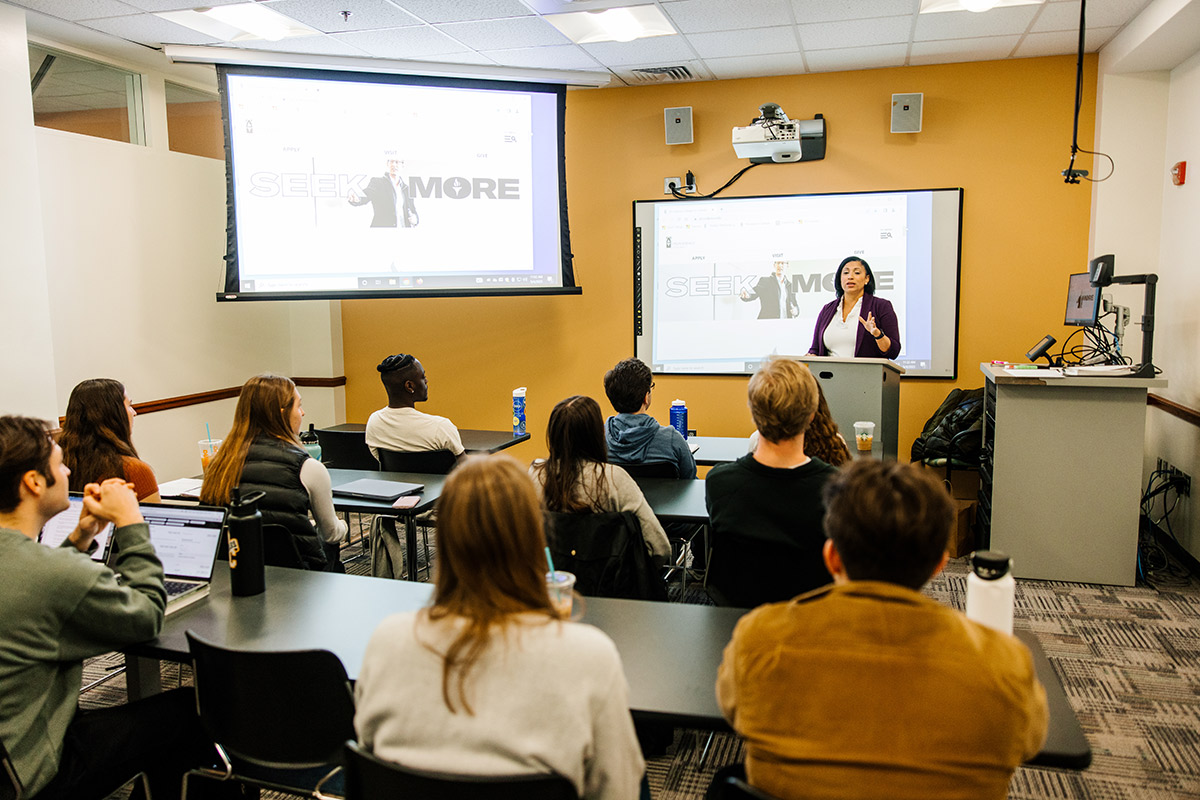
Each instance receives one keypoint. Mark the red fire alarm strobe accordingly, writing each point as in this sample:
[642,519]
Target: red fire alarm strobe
[1179,173]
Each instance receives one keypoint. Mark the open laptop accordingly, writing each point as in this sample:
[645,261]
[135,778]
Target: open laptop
[185,538]
[55,532]
[375,489]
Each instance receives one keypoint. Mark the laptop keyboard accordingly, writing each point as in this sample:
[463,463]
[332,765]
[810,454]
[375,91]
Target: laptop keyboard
[176,588]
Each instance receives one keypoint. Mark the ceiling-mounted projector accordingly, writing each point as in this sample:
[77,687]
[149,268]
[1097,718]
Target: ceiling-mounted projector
[773,138]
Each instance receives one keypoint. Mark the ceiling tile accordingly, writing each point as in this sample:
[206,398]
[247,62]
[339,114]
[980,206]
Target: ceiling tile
[968,24]
[321,45]
[55,105]
[1057,43]
[851,58]
[989,48]
[566,56]
[833,10]
[149,30]
[641,52]
[417,42]
[75,10]
[703,16]
[467,57]
[750,42]
[365,15]
[855,33]
[1106,14]
[176,5]
[504,34]
[463,10]
[755,66]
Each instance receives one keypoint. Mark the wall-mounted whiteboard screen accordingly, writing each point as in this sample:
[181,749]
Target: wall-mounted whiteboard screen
[697,263]
[358,185]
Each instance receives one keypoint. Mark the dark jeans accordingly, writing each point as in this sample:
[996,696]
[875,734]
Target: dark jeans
[161,736]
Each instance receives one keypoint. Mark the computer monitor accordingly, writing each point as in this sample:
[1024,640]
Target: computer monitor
[1083,301]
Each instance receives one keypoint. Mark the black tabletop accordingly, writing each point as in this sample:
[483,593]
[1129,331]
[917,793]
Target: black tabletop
[429,495]
[474,440]
[675,500]
[719,449]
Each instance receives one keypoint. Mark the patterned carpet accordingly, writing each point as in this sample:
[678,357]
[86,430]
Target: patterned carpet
[1129,660]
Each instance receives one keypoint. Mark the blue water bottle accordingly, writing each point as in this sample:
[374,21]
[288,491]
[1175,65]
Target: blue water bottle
[519,411]
[679,417]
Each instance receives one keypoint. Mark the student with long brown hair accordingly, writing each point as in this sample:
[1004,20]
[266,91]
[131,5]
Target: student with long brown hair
[577,478]
[822,440]
[97,439]
[487,680]
[262,452]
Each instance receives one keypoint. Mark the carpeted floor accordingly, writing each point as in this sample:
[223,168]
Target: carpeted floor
[1129,660]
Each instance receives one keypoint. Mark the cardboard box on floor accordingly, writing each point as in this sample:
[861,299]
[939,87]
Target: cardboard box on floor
[964,488]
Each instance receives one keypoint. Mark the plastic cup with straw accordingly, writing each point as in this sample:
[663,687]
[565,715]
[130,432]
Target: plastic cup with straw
[560,586]
[208,448]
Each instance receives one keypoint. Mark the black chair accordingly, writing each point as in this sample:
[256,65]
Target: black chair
[279,547]
[278,719]
[432,462]
[10,784]
[346,450]
[737,789]
[650,469]
[370,778]
[606,552]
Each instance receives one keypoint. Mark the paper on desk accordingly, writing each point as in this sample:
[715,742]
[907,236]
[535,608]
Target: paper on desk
[1040,372]
[181,487]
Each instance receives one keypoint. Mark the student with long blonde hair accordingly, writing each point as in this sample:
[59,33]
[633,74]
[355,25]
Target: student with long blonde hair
[487,680]
[262,452]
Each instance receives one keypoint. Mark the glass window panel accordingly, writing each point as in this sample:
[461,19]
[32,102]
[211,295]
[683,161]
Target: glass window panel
[194,122]
[82,96]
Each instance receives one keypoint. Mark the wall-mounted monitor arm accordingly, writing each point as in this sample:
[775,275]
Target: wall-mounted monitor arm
[1146,370]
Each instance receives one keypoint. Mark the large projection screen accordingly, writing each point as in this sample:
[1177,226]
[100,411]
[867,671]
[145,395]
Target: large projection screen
[346,184]
[693,259]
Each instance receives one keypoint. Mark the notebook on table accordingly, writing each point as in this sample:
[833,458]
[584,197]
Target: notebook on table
[375,489]
[186,540]
[59,527]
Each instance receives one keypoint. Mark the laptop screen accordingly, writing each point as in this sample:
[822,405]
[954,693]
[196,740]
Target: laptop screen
[185,538]
[61,524]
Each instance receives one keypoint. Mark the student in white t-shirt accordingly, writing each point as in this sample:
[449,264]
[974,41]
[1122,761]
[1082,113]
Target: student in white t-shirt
[400,426]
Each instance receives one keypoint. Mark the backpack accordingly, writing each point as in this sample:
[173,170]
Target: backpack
[958,420]
[606,553]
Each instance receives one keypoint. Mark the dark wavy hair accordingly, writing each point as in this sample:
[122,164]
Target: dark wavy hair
[837,276]
[626,385]
[822,439]
[575,439]
[96,433]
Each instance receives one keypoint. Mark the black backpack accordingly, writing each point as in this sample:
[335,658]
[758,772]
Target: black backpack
[955,429]
[606,553]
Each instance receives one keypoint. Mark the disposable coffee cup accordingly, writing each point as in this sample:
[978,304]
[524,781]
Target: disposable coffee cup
[561,586]
[864,436]
[208,449]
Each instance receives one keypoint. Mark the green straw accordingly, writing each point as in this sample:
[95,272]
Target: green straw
[550,560]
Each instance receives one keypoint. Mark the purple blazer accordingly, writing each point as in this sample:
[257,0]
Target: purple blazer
[864,344]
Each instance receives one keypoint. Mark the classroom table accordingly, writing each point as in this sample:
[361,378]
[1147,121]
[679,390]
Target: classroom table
[670,651]
[474,440]
[675,499]
[719,449]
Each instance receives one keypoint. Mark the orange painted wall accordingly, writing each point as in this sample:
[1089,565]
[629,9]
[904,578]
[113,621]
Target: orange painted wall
[1000,130]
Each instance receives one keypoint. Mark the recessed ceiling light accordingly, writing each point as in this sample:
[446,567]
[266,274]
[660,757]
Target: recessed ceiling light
[935,6]
[238,23]
[612,25]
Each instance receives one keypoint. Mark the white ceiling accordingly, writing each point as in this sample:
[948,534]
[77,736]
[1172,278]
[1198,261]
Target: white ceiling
[717,39]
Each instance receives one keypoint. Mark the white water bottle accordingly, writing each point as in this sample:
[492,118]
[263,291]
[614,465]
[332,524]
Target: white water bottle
[991,590]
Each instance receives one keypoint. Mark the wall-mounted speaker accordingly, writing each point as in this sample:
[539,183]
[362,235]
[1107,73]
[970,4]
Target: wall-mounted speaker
[906,112]
[678,122]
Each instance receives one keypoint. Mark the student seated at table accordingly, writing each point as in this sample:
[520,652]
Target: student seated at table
[576,477]
[488,680]
[262,452]
[822,439]
[399,426]
[765,508]
[97,438]
[867,688]
[60,607]
[633,436]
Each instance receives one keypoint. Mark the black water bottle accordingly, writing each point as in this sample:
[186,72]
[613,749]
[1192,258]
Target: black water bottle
[246,573]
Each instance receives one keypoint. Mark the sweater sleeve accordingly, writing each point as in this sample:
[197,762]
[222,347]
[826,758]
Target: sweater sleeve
[886,321]
[140,474]
[630,498]
[116,611]
[615,766]
[317,483]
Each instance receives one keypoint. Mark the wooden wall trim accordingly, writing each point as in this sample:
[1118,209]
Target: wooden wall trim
[184,400]
[1174,409]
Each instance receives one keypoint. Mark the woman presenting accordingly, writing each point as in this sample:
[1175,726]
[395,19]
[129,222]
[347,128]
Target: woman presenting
[857,324]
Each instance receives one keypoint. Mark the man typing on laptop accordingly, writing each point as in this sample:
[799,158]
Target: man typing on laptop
[61,607]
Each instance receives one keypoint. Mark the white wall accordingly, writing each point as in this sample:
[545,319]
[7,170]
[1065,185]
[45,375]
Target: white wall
[124,246]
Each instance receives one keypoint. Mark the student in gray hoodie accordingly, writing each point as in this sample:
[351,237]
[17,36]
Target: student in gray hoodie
[635,437]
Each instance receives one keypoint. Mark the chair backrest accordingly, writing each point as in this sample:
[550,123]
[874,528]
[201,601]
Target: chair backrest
[606,552]
[369,778]
[275,709]
[432,462]
[10,784]
[346,450]
[650,469]
[737,789]
[279,547]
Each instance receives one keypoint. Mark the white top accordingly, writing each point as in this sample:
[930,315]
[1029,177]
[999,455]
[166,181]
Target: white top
[547,696]
[407,430]
[841,337]
[783,309]
[315,478]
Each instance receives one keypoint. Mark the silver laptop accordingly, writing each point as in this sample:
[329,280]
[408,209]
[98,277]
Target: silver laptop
[186,539]
[375,489]
[55,532]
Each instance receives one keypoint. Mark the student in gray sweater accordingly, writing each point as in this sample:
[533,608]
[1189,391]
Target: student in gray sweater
[60,607]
